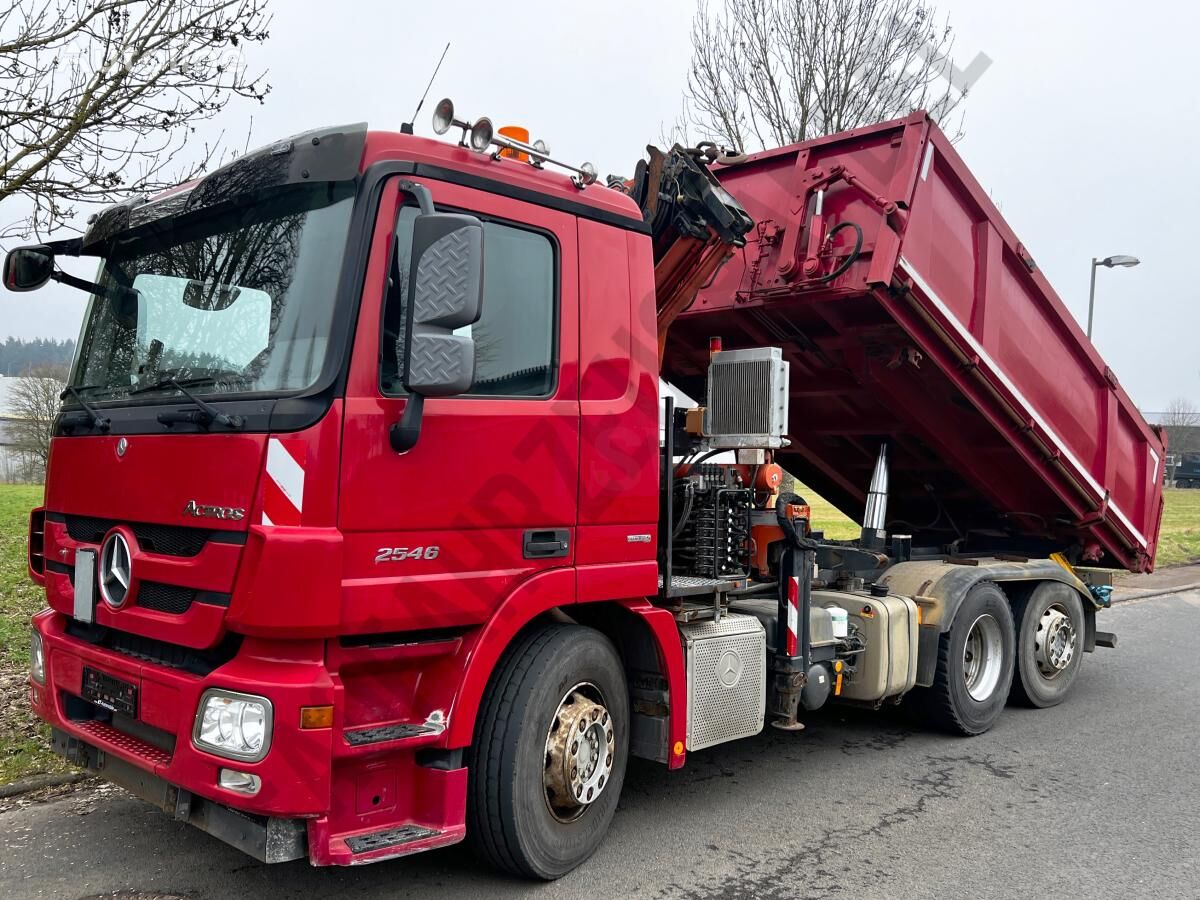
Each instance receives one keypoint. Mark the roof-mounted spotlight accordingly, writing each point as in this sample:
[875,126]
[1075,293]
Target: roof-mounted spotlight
[587,174]
[538,154]
[481,135]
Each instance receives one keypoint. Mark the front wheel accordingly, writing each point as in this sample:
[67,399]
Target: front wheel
[975,664]
[1050,628]
[549,755]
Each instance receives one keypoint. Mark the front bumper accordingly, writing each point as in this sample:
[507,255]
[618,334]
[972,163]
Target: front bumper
[295,772]
[267,839]
[355,802]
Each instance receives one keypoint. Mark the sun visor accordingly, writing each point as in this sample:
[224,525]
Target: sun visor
[323,155]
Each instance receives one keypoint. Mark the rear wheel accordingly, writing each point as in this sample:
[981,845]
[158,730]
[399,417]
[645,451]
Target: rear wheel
[975,664]
[1050,630]
[548,760]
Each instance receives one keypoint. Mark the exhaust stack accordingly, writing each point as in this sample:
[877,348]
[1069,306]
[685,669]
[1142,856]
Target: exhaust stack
[874,535]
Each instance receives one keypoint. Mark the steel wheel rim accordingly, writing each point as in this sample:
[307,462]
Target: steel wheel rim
[1054,642]
[983,657]
[579,753]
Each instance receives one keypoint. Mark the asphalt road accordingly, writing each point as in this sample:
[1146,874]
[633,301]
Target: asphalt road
[1098,798]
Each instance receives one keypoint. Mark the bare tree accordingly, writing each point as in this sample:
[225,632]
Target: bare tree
[766,73]
[34,402]
[1181,421]
[98,98]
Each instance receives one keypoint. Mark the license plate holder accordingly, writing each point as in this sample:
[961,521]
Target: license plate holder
[85,586]
[112,693]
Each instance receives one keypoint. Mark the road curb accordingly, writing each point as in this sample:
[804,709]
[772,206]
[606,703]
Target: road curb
[1146,595]
[38,782]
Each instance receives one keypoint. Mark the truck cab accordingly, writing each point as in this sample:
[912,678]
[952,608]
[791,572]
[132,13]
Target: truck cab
[226,516]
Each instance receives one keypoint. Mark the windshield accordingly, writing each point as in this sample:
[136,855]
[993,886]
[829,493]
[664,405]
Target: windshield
[239,302]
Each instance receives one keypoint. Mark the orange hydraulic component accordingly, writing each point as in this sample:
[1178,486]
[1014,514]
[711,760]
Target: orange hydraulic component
[517,133]
[679,275]
[798,511]
[761,539]
[765,531]
[769,478]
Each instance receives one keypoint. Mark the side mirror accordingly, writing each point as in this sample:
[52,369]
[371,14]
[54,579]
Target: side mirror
[445,290]
[445,293]
[28,268]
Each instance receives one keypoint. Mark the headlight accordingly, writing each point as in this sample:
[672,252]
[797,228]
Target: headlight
[233,725]
[37,658]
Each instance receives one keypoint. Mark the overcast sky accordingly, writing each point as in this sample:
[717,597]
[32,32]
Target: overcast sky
[1082,129]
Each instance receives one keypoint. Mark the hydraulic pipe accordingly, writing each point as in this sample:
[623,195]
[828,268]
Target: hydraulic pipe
[875,514]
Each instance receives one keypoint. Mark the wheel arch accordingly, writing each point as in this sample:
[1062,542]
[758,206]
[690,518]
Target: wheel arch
[939,588]
[645,636]
[943,585]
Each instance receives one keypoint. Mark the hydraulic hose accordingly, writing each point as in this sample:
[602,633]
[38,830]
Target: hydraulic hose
[849,260]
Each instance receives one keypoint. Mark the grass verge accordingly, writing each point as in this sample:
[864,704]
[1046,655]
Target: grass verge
[24,740]
[1179,538]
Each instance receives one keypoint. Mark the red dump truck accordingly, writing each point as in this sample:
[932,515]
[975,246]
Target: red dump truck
[368,528]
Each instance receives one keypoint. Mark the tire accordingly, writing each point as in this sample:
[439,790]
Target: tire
[1039,682]
[547,680]
[948,704]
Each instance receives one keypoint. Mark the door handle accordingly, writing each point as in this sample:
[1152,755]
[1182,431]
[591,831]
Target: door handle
[547,543]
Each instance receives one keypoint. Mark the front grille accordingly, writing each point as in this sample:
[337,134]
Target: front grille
[167,598]
[197,662]
[169,540]
[37,541]
[171,598]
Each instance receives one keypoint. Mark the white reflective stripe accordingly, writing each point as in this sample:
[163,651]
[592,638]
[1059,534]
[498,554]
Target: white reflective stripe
[1120,515]
[267,519]
[793,618]
[927,160]
[286,472]
[1017,395]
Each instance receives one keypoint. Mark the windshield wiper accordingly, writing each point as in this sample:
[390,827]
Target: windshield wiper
[207,413]
[110,292]
[99,422]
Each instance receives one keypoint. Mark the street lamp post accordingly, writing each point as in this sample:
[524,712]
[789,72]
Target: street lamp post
[1108,262]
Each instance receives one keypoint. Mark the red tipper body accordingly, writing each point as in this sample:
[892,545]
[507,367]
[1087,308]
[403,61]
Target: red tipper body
[370,594]
[943,336]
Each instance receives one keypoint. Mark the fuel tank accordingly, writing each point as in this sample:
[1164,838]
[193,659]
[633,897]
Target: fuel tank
[889,624]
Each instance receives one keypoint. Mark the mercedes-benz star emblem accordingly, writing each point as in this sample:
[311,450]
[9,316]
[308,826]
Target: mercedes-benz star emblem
[729,668]
[115,566]
[122,446]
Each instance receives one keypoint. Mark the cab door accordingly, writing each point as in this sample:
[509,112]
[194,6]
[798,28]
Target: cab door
[487,498]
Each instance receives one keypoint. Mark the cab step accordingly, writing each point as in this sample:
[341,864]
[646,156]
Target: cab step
[386,843]
[391,837]
[378,734]
[385,737]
